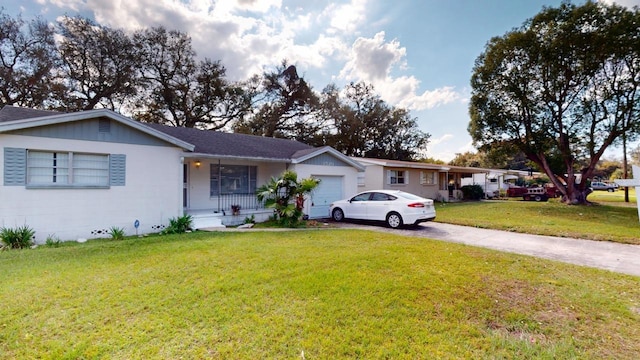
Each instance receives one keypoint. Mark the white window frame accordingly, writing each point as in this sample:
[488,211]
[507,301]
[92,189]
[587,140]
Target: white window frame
[66,169]
[428,178]
[361,179]
[397,177]
[221,184]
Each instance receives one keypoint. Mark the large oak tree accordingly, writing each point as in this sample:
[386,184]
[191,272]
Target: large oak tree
[562,88]
[100,66]
[28,58]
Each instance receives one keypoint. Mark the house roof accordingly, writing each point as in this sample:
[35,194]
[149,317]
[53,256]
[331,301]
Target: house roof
[449,168]
[232,145]
[201,143]
[12,113]
[16,118]
[401,164]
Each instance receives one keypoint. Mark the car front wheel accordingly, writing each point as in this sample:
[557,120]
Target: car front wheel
[394,220]
[337,215]
[610,189]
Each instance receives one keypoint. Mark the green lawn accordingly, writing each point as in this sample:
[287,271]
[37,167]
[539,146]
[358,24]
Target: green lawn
[328,293]
[610,220]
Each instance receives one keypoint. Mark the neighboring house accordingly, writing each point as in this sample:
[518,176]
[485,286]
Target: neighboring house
[77,175]
[433,181]
[493,181]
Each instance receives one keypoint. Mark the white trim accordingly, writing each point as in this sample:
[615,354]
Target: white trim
[332,151]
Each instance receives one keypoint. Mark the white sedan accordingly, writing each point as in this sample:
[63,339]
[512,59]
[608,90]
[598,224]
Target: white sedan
[395,207]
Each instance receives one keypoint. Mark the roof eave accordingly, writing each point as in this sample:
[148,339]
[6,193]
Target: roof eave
[234,157]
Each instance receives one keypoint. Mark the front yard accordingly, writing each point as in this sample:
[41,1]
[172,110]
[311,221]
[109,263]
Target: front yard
[609,219]
[313,294]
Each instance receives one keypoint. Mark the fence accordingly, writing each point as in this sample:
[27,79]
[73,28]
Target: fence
[227,202]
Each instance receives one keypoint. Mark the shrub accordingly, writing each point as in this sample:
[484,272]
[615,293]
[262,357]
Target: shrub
[117,233]
[178,225]
[52,241]
[472,192]
[250,219]
[18,238]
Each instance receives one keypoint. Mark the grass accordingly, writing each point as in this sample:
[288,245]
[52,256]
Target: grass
[314,294]
[604,220]
[614,198]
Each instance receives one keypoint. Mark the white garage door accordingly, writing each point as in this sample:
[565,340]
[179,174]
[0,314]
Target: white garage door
[328,191]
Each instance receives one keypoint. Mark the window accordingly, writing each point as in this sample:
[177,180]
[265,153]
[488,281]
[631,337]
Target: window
[64,169]
[397,177]
[361,179]
[382,197]
[361,197]
[428,178]
[233,179]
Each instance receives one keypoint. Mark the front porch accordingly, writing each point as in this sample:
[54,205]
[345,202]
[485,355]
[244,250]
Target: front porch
[229,210]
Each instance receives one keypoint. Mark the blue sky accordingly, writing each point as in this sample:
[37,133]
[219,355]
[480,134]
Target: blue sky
[418,54]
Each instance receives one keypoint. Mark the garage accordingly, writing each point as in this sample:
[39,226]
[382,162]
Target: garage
[328,191]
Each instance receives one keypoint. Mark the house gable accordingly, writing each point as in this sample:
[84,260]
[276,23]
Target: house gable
[93,125]
[95,129]
[325,159]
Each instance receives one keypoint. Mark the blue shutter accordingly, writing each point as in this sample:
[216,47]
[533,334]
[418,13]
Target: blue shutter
[15,167]
[117,169]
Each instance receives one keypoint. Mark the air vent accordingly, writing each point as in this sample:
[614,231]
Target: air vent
[104,126]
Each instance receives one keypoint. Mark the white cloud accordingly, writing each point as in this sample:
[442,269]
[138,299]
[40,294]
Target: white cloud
[373,60]
[444,148]
[345,18]
[442,139]
[627,3]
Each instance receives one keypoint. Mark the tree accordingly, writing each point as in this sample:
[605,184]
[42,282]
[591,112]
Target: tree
[635,155]
[561,89]
[364,125]
[470,159]
[286,195]
[180,91]
[27,61]
[100,67]
[285,106]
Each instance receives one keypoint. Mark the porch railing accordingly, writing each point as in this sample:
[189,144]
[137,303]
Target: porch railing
[226,202]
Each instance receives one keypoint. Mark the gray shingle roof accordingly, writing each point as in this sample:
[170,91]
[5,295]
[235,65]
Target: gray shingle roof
[206,142]
[237,145]
[11,113]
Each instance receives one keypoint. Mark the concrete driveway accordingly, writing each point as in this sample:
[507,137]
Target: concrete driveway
[615,257]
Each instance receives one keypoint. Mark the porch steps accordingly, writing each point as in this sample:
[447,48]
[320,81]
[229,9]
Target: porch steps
[206,221]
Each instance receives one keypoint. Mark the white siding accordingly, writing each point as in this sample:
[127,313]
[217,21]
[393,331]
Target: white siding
[348,174]
[152,194]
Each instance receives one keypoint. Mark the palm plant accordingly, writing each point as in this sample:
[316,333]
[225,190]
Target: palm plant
[286,196]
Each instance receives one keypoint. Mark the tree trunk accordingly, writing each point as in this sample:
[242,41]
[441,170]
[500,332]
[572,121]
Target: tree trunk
[576,196]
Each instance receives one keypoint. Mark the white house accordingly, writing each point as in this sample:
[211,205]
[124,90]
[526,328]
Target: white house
[77,175]
[493,181]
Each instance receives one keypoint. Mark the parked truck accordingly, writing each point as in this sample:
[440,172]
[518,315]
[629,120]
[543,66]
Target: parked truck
[537,193]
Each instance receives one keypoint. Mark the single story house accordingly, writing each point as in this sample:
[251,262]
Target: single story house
[433,181]
[76,175]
